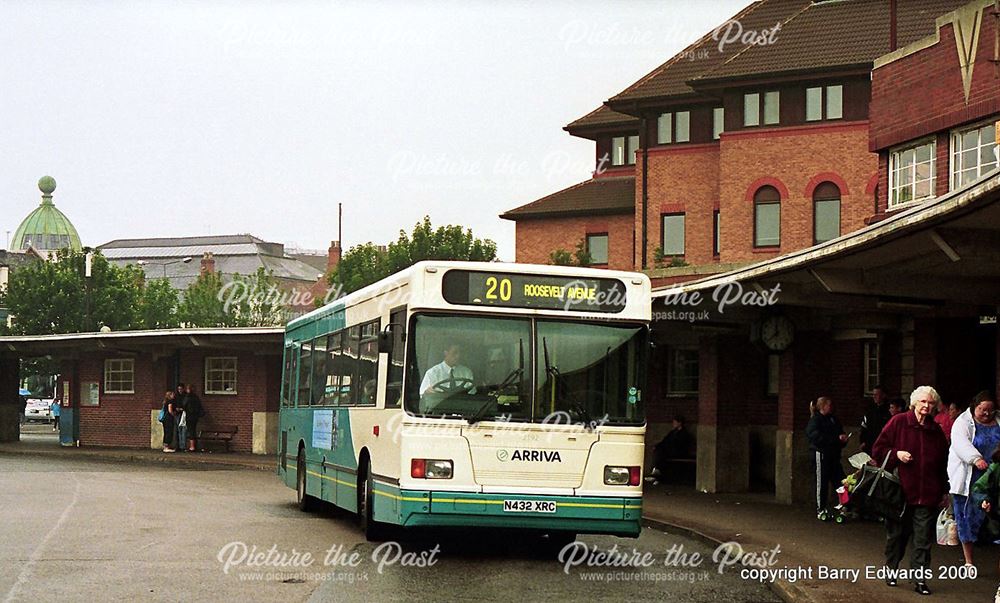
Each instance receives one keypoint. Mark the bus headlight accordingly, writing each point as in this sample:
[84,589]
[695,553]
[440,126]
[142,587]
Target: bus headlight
[431,469]
[621,476]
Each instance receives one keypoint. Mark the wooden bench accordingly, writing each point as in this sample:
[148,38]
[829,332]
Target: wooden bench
[223,434]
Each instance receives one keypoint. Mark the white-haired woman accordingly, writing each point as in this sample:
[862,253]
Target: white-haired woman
[916,446]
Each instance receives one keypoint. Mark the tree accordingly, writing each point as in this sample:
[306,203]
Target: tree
[582,254]
[158,308]
[244,301]
[56,297]
[365,264]
[256,299]
[561,257]
[202,305]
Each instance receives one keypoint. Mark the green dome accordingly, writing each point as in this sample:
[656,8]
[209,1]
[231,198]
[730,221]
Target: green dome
[46,228]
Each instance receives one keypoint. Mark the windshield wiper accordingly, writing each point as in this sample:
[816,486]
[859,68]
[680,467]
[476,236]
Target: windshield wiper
[480,414]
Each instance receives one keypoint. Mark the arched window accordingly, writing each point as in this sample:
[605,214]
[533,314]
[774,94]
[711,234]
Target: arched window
[767,217]
[826,212]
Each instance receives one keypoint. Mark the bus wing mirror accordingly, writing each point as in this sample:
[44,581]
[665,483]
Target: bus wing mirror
[387,339]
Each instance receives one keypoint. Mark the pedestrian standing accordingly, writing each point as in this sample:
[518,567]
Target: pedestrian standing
[195,411]
[917,448]
[874,419]
[974,437]
[169,433]
[54,410]
[180,406]
[826,439]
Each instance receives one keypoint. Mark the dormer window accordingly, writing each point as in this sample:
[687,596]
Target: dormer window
[623,150]
[673,127]
[755,104]
[824,102]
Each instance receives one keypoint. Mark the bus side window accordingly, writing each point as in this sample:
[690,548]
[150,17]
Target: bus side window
[286,376]
[352,347]
[394,376]
[305,373]
[368,364]
[331,387]
[319,356]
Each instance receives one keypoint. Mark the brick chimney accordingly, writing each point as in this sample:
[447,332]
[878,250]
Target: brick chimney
[333,256]
[207,263]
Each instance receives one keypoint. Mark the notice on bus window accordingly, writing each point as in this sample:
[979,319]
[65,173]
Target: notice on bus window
[511,290]
[322,429]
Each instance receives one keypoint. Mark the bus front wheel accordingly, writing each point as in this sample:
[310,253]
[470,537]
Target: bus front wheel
[306,502]
[373,530]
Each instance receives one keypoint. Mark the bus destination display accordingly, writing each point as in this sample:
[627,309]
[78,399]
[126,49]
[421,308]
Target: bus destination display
[512,290]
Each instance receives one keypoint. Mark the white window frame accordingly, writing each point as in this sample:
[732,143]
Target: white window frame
[631,149]
[872,377]
[683,237]
[607,247]
[955,168]
[892,203]
[751,106]
[126,366]
[772,96]
[814,95]
[668,127]
[618,147]
[718,122]
[826,102]
[209,371]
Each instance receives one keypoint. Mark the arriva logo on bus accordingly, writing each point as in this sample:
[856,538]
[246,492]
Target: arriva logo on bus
[548,456]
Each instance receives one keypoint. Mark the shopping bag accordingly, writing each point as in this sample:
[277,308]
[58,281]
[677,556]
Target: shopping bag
[947,529]
[879,491]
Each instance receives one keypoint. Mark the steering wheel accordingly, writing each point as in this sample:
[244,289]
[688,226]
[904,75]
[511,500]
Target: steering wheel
[453,385]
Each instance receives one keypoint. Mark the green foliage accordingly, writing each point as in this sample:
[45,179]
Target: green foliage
[158,308]
[365,264]
[245,301]
[202,306]
[256,300]
[561,257]
[677,262]
[581,255]
[56,297]
[659,260]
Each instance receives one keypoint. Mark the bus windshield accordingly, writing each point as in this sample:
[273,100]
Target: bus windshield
[482,368]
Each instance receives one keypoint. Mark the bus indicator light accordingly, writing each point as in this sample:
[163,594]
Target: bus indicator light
[431,469]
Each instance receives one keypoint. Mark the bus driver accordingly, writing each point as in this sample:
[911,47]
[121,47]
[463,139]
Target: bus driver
[449,375]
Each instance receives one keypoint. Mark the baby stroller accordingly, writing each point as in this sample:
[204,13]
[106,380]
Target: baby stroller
[871,490]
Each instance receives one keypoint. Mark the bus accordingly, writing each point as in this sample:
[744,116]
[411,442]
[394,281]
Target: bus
[470,394]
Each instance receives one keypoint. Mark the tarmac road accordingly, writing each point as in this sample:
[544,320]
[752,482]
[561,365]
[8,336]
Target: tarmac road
[75,529]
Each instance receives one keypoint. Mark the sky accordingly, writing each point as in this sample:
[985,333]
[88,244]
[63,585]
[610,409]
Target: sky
[193,118]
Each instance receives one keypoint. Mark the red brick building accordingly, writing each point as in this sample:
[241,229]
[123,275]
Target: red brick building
[112,384]
[738,151]
[801,161]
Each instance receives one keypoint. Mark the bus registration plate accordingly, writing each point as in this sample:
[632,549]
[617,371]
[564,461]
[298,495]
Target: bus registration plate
[529,506]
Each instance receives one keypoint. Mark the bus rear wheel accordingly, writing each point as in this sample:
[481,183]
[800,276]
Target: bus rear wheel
[306,502]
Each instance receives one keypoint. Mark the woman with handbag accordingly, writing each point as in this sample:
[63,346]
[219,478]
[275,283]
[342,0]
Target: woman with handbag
[974,436]
[917,449]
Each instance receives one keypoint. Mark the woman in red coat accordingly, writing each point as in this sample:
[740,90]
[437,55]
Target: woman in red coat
[917,447]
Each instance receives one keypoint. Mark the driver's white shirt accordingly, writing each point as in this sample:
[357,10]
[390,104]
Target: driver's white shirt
[442,372]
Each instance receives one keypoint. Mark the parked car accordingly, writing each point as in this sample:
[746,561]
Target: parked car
[38,410]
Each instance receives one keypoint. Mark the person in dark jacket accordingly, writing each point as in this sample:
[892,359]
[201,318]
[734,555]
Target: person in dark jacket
[677,444]
[917,448]
[875,419]
[826,439]
[195,411]
[169,422]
